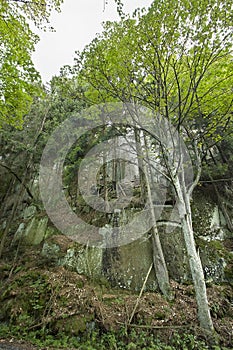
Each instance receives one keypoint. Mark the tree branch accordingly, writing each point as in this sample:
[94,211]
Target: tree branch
[18,178]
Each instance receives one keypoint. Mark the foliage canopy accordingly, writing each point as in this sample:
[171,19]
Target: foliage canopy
[19,80]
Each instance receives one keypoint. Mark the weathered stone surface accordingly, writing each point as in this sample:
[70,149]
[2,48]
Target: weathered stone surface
[208,220]
[85,260]
[126,266]
[20,232]
[29,212]
[33,232]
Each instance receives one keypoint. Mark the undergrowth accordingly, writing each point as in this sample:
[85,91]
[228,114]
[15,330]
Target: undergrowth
[58,309]
[121,340]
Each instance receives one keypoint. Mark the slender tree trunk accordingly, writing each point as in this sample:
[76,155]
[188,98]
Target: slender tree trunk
[4,200]
[11,219]
[184,209]
[158,256]
[140,165]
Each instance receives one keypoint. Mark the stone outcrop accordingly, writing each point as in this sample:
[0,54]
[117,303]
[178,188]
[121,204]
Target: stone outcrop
[126,266]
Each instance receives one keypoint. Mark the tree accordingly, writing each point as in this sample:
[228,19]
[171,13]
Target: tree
[177,60]
[21,150]
[19,80]
[37,11]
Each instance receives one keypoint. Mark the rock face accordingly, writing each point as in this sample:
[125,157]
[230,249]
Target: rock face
[127,266]
[82,259]
[212,238]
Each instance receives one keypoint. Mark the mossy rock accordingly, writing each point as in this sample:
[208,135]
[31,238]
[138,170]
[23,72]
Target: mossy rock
[74,325]
[216,260]
[202,212]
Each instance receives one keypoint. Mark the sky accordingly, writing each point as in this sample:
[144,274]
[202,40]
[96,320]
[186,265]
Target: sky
[75,26]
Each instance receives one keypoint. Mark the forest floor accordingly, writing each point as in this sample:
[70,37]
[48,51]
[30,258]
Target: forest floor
[35,298]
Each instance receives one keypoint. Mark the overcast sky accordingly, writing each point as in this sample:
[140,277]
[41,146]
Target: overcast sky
[75,26]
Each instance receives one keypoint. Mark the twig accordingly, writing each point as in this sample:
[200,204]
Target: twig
[99,306]
[216,180]
[140,294]
[120,187]
[15,260]
[155,327]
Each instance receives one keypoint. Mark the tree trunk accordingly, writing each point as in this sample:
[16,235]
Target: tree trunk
[11,219]
[158,256]
[194,262]
[140,165]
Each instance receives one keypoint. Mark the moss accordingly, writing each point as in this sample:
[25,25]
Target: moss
[175,254]
[160,315]
[25,299]
[5,268]
[228,271]
[211,250]
[202,213]
[101,282]
[112,299]
[74,325]
[216,249]
[217,261]
[80,284]
[216,245]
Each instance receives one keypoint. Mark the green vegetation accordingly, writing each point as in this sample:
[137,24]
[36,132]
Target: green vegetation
[53,307]
[175,59]
[111,341]
[19,81]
